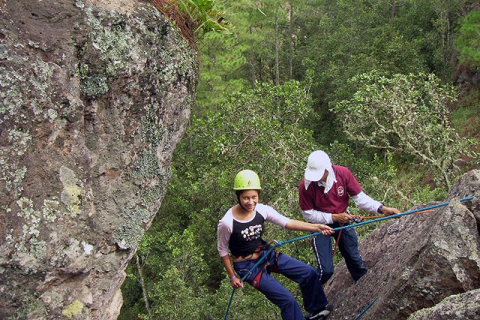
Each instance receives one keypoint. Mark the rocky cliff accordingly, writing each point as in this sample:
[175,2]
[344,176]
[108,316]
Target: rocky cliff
[421,266]
[95,95]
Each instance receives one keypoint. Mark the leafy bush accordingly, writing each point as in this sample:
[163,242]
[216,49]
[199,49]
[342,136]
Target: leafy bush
[467,42]
[407,115]
[194,18]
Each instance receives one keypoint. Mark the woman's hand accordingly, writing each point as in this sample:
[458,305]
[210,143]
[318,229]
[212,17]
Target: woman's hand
[236,283]
[324,229]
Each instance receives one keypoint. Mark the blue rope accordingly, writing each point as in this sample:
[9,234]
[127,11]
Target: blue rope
[366,309]
[229,304]
[279,244]
[265,256]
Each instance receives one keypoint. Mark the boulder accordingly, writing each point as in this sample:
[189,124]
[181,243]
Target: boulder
[415,261]
[463,306]
[95,96]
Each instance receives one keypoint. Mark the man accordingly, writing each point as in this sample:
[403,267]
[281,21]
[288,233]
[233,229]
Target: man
[324,198]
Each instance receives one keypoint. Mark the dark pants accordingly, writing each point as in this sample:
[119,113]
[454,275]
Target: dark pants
[348,247]
[314,298]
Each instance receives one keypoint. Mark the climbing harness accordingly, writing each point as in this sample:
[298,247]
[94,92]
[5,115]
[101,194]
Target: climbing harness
[281,243]
[267,267]
[266,254]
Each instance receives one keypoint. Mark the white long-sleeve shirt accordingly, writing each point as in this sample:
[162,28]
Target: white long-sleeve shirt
[362,200]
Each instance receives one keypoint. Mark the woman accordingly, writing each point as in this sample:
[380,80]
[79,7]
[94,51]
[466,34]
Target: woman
[240,232]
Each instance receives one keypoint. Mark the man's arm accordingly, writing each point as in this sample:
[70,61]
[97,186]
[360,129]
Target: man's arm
[366,203]
[315,216]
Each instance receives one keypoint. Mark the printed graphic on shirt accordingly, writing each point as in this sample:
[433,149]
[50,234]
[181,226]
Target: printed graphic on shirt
[252,233]
[341,191]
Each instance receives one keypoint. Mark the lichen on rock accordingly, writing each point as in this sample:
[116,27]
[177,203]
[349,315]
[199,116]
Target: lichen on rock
[95,97]
[74,309]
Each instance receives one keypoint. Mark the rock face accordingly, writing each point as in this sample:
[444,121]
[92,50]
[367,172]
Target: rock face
[95,95]
[463,306]
[415,262]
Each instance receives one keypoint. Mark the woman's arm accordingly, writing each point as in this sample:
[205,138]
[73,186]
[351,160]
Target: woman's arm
[236,282]
[305,226]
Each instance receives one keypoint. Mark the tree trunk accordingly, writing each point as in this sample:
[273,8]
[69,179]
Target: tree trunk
[395,5]
[291,42]
[142,283]
[252,64]
[277,69]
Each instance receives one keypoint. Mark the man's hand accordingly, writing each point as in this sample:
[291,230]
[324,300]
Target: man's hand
[390,211]
[342,218]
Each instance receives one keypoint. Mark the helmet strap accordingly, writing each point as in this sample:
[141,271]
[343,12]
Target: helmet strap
[240,202]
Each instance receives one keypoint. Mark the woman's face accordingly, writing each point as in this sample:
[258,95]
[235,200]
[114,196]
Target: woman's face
[249,199]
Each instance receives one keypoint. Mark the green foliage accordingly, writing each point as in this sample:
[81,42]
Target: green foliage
[431,25]
[243,121]
[222,57]
[406,114]
[264,129]
[204,14]
[339,40]
[465,118]
[468,41]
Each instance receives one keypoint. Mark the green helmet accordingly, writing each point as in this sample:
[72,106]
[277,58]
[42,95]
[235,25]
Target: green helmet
[247,180]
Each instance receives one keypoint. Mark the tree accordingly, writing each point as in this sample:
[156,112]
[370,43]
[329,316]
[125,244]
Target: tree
[238,61]
[468,41]
[222,57]
[406,114]
[340,39]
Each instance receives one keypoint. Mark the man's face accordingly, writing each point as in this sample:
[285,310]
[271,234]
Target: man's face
[324,178]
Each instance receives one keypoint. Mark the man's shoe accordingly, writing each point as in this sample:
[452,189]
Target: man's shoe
[319,315]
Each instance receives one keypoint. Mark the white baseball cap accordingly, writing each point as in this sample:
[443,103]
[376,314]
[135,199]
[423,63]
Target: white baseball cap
[318,162]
